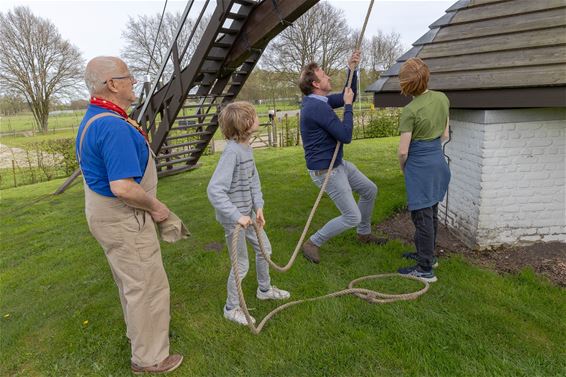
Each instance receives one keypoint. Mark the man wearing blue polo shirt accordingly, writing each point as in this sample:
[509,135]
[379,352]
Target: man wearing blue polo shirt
[122,208]
[321,129]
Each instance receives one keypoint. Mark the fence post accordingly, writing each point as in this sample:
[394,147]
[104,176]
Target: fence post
[270,115]
[14,173]
[298,129]
[274,129]
[287,130]
[364,127]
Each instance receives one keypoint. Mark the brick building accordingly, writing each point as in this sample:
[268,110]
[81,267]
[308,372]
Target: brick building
[503,66]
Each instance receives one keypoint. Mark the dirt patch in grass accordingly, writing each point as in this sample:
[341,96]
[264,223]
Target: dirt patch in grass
[214,247]
[548,259]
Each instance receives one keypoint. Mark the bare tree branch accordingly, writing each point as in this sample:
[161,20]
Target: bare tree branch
[321,35]
[140,36]
[381,52]
[36,62]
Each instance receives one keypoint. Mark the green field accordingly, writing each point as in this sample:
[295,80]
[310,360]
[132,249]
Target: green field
[25,122]
[60,314]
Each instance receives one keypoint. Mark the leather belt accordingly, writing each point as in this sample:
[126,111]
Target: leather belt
[319,172]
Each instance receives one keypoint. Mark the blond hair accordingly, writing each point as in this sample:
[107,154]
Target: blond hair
[413,77]
[236,120]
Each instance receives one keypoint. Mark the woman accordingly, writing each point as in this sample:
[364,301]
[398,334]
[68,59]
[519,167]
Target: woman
[423,126]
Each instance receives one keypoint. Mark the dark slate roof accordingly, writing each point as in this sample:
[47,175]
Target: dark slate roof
[491,54]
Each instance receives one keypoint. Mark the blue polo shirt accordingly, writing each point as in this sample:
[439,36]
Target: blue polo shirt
[112,149]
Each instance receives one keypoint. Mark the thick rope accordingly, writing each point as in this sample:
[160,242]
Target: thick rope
[368,295]
[288,266]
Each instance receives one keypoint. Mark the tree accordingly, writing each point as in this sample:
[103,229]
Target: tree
[140,34]
[321,35]
[12,104]
[380,53]
[36,62]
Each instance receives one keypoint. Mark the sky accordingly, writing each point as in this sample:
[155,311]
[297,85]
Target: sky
[95,27]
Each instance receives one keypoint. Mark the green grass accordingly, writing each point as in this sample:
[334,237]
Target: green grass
[472,322]
[25,142]
[26,122]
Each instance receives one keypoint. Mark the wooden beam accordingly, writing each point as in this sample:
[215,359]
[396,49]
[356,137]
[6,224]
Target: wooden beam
[263,24]
[487,99]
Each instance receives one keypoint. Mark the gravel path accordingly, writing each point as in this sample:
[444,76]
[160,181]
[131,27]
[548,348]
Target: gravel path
[21,157]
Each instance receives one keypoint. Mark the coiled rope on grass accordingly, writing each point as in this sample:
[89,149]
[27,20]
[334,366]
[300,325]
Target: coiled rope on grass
[368,295]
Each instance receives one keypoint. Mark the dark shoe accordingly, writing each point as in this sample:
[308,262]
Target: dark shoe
[170,363]
[418,272]
[311,252]
[413,256]
[370,238]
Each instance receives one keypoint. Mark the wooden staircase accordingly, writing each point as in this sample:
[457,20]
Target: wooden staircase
[180,116]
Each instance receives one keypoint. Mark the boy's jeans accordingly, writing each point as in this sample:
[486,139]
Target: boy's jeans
[344,179]
[262,267]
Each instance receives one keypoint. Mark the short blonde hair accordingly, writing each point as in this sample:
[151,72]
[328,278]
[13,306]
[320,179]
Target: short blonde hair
[236,120]
[413,77]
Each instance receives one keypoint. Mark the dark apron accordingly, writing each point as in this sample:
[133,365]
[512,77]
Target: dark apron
[426,174]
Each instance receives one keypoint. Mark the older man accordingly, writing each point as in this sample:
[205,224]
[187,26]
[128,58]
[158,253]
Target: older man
[321,129]
[122,209]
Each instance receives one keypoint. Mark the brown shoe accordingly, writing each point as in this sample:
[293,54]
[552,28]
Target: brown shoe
[370,238]
[311,252]
[170,363]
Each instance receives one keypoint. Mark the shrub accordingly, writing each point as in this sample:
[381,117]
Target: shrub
[61,151]
[383,123]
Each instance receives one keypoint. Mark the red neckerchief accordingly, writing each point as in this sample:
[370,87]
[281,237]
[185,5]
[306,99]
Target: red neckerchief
[105,104]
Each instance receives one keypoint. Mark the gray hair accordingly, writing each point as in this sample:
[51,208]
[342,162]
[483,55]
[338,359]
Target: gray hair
[98,70]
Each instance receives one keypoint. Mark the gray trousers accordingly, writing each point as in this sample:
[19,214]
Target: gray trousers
[343,180]
[262,267]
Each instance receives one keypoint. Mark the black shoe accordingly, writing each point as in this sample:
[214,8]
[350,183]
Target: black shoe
[418,272]
[413,256]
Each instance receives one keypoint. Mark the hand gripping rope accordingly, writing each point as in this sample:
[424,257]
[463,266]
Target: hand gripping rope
[369,295]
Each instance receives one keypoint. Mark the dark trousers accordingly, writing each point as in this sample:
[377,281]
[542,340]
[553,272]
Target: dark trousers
[426,224]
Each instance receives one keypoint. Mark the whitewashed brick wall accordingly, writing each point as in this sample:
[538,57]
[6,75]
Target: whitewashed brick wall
[508,176]
[465,160]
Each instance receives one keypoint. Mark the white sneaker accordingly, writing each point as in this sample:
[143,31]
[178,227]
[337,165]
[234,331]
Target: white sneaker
[273,293]
[237,315]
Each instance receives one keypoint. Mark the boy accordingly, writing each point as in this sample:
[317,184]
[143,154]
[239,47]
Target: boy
[235,193]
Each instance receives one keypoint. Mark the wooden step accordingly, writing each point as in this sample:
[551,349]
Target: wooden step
[176,170]
[211,95]
[236,16]
[194,116]
[229,31]
[249,3]
[186,144]
[196,106]
[180,153]
[178,161]
[222,44]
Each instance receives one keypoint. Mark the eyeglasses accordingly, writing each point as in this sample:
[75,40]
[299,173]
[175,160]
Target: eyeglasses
[131,77]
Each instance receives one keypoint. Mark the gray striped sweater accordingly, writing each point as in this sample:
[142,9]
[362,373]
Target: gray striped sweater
[234,189]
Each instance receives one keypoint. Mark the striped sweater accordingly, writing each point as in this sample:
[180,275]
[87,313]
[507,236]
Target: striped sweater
[234,189]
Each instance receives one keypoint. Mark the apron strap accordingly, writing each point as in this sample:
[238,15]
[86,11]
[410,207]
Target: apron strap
[87,125]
